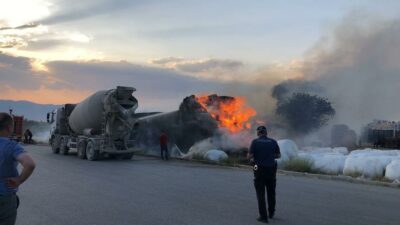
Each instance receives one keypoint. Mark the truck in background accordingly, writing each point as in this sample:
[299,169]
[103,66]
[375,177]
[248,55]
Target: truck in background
[18,124]
[97,127]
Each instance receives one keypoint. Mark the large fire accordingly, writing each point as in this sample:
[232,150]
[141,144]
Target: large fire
[231,112]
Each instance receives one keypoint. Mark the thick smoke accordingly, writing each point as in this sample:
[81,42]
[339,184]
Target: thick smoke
[357,69]
[40,130]
[222,140]
[287,88]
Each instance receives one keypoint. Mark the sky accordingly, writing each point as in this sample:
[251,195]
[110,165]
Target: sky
[59,51]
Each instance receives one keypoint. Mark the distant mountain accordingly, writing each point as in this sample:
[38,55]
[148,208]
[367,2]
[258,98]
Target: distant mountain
[30,110]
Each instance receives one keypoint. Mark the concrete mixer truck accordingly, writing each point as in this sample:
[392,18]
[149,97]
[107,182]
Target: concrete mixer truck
[97,127]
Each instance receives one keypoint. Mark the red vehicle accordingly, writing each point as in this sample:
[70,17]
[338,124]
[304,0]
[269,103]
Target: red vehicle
[18,123]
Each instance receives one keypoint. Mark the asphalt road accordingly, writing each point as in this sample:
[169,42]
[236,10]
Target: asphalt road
[66,190]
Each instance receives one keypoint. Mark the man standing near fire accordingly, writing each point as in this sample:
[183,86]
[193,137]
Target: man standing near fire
[28,136]
[264,150]
[11,153]
[164,145]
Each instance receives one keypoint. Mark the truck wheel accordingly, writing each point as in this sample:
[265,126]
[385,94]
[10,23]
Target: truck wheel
[64,149]
[54,148]
[127,156]
[91,153]
[82,149]
[112,156]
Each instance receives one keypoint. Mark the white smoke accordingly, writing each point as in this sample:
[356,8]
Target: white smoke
[358,70]
[223,140]
[41,136]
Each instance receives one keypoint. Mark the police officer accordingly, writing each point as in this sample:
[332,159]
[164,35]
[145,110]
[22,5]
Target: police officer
[264,150]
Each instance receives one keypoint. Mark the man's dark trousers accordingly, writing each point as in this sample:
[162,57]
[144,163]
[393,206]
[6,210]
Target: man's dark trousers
[265,179]
[8,209]
[164,150]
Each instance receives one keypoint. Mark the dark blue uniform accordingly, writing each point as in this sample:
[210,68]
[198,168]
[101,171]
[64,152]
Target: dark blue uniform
[265,151]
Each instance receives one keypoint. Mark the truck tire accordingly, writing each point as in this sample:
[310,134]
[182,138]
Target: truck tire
[91,153]
[81,148]
[63,148]
[54,148]
[127,156]
[112,156]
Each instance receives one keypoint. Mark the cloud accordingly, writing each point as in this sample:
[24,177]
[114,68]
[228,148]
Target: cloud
[150,81]
[9,42]
[43,44]
[71,10]
[157,88]
[197,66]
[17,37]
[56,39]
[221,69]
[15,72]
[189,31]
[209,65]
[166,61]
[21,27]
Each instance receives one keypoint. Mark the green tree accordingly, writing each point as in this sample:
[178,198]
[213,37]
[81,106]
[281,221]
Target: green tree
[305,112]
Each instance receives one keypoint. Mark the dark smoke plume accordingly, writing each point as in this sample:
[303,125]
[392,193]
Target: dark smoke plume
[287,88]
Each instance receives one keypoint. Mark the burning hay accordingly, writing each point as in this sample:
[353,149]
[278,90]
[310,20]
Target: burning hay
[201,124]
[231,113]
[233,117]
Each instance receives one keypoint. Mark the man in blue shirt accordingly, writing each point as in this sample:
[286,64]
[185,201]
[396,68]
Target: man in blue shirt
[11,153]
[264,151]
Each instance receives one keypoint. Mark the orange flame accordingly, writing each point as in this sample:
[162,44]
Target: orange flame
[231,113]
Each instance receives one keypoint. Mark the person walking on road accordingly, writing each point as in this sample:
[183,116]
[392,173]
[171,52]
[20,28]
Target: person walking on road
[164,146]
[264,150]
[11,153]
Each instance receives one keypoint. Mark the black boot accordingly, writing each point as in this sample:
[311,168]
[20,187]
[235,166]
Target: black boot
[262,219]
[271,215]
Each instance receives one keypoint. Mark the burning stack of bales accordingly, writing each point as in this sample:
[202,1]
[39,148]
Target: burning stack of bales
[214,118]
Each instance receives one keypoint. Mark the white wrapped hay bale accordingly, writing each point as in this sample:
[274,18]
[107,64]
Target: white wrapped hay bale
[369,163]
[324,159]
[329,163]
[393,170]
[215,155]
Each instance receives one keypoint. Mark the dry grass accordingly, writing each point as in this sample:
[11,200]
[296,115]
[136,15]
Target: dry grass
[299,165]
[233,160]
[354,174]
